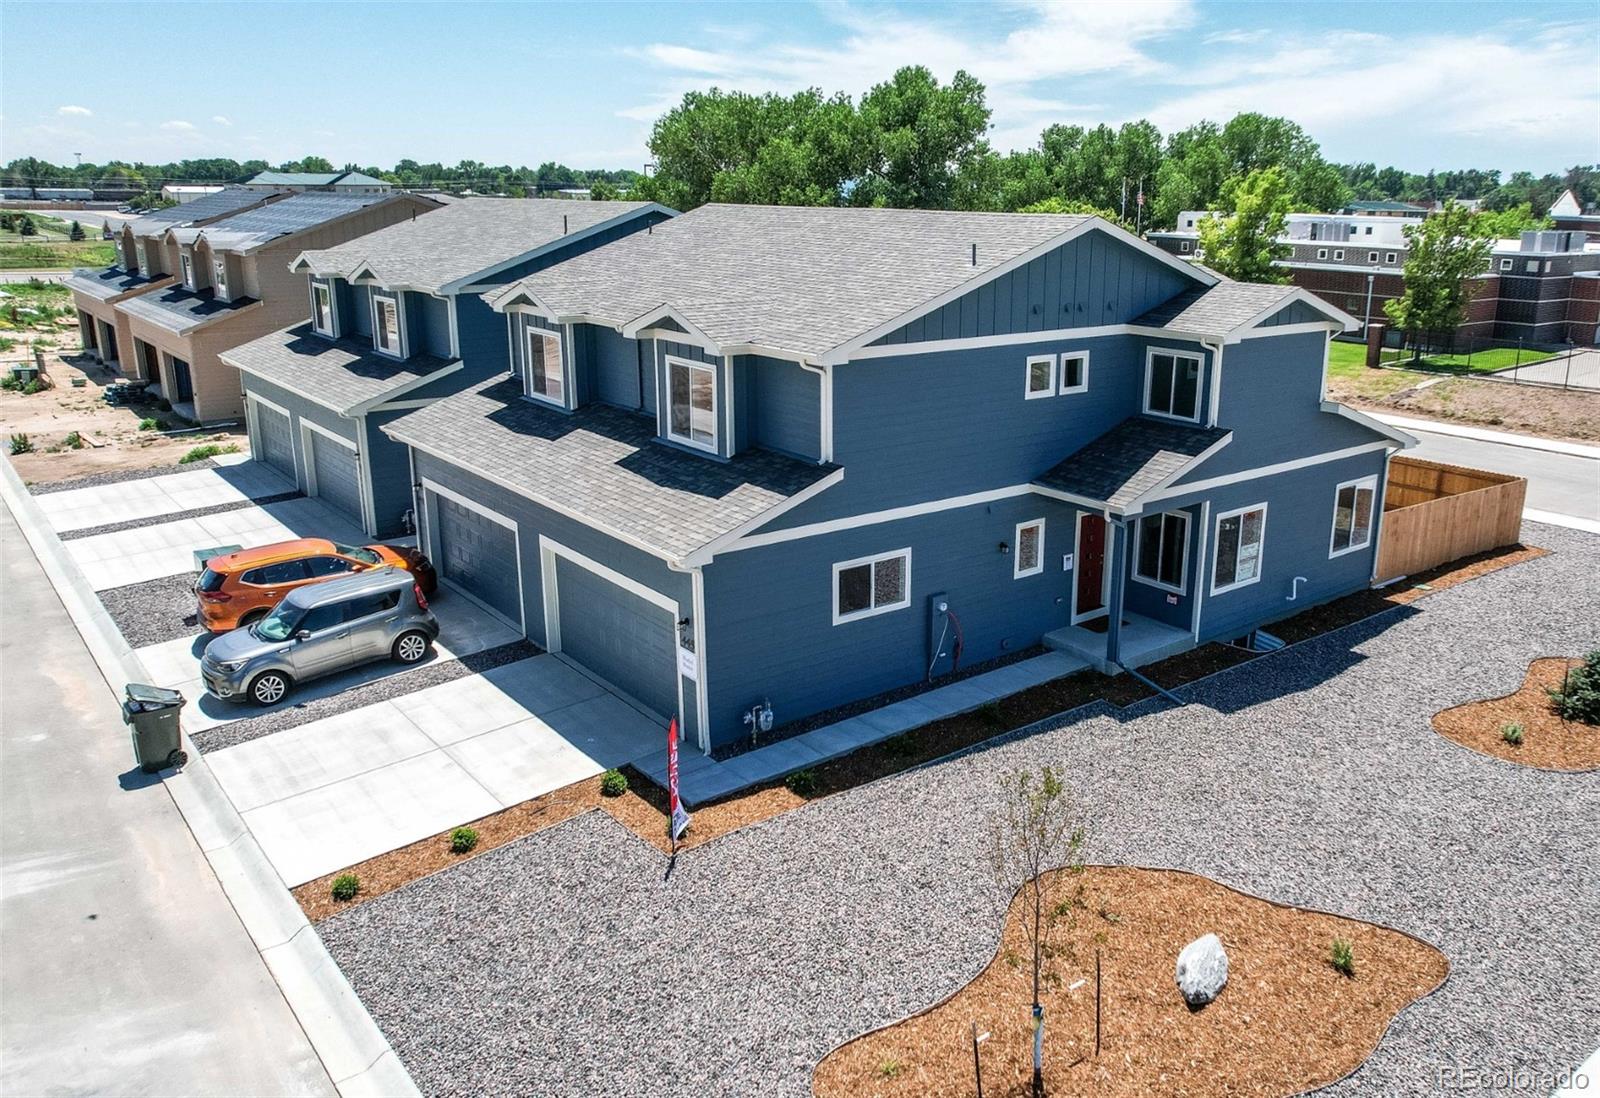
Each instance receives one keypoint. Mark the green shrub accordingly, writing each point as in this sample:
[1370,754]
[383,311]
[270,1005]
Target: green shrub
[1578,698]
[11,383]
[889,1068]
[6,343]
[74,440]
[21,444]
[76,232]
[1342,956]
[37,385]
[149,423]
[463,839]
[614,784]
[1512,734]
[802,783]
[345,886]
[209,450]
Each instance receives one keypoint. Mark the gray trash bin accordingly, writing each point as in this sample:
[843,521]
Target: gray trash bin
[152,713]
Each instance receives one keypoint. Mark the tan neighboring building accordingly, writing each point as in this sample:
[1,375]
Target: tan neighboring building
[144,264]
[233,285]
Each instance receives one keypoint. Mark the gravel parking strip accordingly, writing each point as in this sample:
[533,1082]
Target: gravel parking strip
[571,962]
[390,686]
[156,520]
[154,611]
[95,480]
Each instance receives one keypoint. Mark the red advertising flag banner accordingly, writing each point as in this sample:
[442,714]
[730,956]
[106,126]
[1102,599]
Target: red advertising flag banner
[678,819]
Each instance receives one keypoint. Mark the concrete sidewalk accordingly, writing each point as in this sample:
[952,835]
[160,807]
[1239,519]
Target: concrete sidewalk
[125,969]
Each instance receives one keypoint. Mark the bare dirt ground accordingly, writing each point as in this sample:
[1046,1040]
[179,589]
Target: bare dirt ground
[1533,409]
[111,438]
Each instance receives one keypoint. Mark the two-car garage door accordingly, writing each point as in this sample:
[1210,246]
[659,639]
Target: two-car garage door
[274,439]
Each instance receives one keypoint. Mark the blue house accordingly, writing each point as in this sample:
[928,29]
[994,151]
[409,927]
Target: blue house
[396,322]
[806,456]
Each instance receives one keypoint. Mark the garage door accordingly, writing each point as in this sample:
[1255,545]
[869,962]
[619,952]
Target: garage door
[477,555]
[619,636]
[275,441]
[336,473]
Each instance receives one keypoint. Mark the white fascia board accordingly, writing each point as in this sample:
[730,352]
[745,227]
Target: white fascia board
[1137,504]
[1179,490]
[710,549]
[458,284]
[646,321]
[518,298]
[971,343]
[844,351]
[1406,441]
[401,390]
[1306,297]
[1243,334]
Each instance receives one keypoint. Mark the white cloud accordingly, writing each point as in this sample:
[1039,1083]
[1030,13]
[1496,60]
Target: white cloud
[81,112]
[178,125]
[220,120]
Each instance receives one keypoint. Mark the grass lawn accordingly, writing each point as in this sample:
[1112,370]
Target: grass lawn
[56,255]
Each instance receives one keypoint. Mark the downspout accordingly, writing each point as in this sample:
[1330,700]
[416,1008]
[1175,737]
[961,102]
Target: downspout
[1163,691]
[825,409]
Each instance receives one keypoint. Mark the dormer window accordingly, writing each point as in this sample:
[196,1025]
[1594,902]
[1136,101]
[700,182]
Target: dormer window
[144,263]
[186,262]
[219,277]
[322,308]
[692,403]
[1172,385]
[545,377]
[386,337]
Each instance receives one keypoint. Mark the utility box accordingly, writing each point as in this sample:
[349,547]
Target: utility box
[151,712]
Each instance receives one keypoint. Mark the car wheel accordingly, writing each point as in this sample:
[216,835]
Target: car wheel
[269,688]
[411,647]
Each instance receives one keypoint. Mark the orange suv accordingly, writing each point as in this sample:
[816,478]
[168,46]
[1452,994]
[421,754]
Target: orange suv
[239,588]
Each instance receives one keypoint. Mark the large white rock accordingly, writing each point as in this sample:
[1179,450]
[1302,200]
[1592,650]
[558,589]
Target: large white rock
[1202,970]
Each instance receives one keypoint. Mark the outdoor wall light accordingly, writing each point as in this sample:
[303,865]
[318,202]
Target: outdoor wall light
[1004,548]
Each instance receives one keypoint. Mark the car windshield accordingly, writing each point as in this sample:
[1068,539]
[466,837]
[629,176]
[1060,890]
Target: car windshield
[356,552]
[278,625]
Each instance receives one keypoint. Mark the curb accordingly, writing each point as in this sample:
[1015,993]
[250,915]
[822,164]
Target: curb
[353,1050]
[1503,438]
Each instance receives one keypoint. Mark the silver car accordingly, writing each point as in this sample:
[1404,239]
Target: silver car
[319,629]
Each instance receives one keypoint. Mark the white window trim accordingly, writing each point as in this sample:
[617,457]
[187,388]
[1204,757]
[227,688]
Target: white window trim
[186,265]
[1017,571]
[219,278]
[1333,530]
[1049,390]
[1372,257]
[398,301]
[1390,257]
[1199,389]
[143,257]
[1338,253]
[1183,569]
[716,426]
[874,611]
[1322,253]
[1063,389]
[332,330]
[1216,542]
[1505,264]
[529,333]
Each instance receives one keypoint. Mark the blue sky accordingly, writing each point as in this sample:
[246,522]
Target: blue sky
[1421,85]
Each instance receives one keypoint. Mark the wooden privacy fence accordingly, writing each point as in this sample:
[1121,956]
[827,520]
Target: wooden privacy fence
[1434,513]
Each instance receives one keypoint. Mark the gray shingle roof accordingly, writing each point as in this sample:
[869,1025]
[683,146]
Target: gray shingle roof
[1136,456]
[181,311]
[294,214]
[219,204]
[104,283]
[605,465]
[1217,310]
[463,239]
[800,279]
[339,374]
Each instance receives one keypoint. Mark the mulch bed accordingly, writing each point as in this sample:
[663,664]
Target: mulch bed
[643,810]
[1287,1021]
[1548,742]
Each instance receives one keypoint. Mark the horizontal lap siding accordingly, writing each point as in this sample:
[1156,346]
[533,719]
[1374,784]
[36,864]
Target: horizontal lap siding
[1152,602]
[1299,528]
[485,347]
[785,405]
[391,475]
[429,320]
[769,611]
[532,520]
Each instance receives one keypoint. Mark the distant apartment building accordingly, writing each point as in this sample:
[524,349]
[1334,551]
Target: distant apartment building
[187,192]
[1568,213]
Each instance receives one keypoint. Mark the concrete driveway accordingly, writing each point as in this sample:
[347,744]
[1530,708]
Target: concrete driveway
[235,480]
[327,794]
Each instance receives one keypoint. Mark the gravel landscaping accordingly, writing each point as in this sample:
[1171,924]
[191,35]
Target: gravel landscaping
[154,611]
[390,686]
[572,962]
[157,520]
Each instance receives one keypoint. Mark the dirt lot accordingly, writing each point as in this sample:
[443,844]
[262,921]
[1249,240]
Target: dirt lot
[1538,410]
[112,440]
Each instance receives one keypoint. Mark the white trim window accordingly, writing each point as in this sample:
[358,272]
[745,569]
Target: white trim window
[219,276]
[1172,384]
[1240,536]
[1074,373]
[868,586]
[1028,556]
[186,263]
[1505,264]
[1322,253]
[322,308]
[692,403]
[1161,551]
[1338,253]
[1186,247]
[1372,257]
[1390,257]
[545,376]
[144,259]
[387,337]
[1353,504]
[1041,377]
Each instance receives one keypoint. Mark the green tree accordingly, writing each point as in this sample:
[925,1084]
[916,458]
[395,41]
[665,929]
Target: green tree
[603,190]
[1244,245]
[75,232]
[1444,256]
[1500,224]
[26,227]
[922,139]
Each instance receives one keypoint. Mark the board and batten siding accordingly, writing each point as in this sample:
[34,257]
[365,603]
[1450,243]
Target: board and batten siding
[532,520]
[1089,281]
[769,610]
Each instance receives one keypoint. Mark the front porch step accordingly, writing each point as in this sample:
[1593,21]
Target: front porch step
[1143,641]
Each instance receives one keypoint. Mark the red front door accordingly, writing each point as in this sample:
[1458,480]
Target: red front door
[1090,566]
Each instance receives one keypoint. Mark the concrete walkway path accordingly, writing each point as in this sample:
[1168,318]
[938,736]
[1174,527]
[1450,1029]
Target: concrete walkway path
[125,969]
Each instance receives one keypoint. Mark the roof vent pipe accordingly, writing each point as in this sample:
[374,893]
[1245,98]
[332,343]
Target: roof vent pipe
[974,253]
[563,224]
